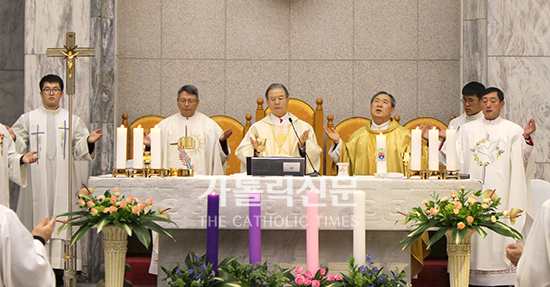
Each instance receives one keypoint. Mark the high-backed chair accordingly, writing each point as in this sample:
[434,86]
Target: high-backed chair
[146,122]
[412,124]
[345,128]
[303,111]
[225,122]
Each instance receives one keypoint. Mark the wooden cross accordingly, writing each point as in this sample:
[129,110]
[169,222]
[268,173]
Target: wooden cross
[70,51]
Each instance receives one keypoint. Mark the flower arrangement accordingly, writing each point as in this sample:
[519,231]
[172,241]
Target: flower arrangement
[251,275]
[462,211]
[198,273]
[371,275]
[320,278]
[130,214]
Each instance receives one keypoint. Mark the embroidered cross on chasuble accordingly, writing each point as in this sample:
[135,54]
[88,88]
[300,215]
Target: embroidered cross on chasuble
[1,143]
[282,140]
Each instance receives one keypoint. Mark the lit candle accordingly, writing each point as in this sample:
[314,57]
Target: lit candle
[359,237]
[121,142]
[416,149]
[255,228]
[312,232]
[433,143]
[212,231]
[138,147]
[381,160]
[155,147]
[450,146]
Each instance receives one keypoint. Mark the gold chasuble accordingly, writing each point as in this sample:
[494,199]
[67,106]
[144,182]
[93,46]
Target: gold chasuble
[360,150]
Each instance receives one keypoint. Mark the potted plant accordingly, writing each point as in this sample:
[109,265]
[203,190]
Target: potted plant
[370,275]
[117,217]
[197,273]
[458,217]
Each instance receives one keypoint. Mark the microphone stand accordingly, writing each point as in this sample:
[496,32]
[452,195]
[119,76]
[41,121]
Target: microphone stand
[315,172]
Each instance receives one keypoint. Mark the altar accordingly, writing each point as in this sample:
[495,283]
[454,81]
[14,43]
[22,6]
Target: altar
[284,215]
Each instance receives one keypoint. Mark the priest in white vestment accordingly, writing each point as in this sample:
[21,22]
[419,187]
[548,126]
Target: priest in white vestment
[190,139]
[534,265]
[277,129]
[23,260]
[11,165]
[495,151]
[45,130]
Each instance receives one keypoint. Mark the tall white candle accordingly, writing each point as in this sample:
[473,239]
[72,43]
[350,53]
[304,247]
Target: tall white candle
[138,147]
[359,237]
[433,135]
[121,142]
[381,160]
[450,144]
[416,149]
[155,147]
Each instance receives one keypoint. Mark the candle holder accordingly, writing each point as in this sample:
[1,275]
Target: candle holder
[138,172]
[182,172]
[450,174]
[406,157]
[412,173]
[433,173]
[121,172]
[158,172]
[147,157]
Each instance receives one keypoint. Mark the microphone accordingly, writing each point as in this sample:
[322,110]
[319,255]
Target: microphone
[315,172]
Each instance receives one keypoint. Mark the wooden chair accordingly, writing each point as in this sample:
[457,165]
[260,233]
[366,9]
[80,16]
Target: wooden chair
[303,111]
[146,122]
[225,122]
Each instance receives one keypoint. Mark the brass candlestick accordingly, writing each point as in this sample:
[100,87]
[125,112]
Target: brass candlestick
[450,174]
[433,173]
[121,172]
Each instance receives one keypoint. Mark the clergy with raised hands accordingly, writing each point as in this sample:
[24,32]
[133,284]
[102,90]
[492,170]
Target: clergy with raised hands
[45,130]
[11,164]
[277,129]
[190,139]
[496,152]
[361,152]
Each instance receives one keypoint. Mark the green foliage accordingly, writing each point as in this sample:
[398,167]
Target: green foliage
[371,276]
[129,214]
[461,211]
[251,275]
[197,273]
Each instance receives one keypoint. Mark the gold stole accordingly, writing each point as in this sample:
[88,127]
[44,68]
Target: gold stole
[281,144]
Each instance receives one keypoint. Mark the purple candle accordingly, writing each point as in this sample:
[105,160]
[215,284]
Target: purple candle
[255,228]
[212,222]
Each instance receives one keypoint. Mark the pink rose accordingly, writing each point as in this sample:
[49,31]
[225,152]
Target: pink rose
[461,225]
[149,202]
[308,274]
[136,210]
[93,211]
[90,204]
[330,277]
[113,199]
[299,279]
[81,202]
[122,204]
[298,270]
[315,283]
[337,277]
[307,282]
[130,199]
[322,271]
[116,192]
[470,219]
[113,209]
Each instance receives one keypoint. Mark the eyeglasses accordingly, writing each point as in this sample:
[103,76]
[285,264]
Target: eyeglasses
[469,101]
[54,90]
[190,101]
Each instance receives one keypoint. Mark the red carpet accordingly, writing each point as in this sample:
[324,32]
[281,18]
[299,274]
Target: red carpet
[140,271]
[434,274]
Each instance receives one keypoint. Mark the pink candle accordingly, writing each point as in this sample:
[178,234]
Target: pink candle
[312,231]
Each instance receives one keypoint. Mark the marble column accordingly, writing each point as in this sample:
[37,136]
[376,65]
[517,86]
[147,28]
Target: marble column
[474,45]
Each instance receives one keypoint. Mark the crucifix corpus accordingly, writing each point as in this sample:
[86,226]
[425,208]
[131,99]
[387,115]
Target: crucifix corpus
[70,52]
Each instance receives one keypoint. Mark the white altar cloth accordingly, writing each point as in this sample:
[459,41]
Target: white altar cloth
[283,214]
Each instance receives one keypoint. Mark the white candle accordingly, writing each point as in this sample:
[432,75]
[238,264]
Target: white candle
[450,146]
[121,142]
[138,147]
[381,160]
[359,237]
[155,147]
[433,143]
[416,149]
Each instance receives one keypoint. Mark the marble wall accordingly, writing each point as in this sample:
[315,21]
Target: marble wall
[341,51]
[518,62]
